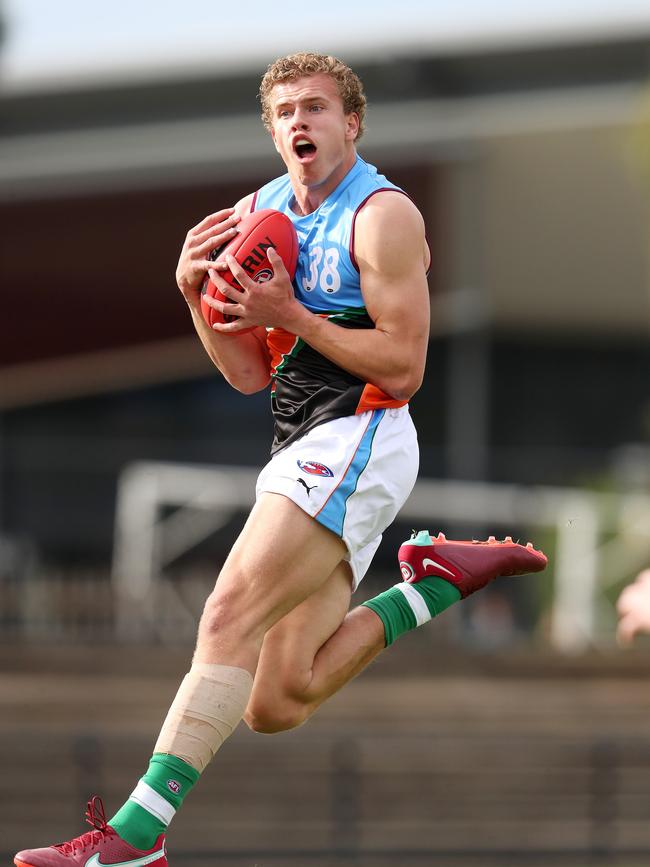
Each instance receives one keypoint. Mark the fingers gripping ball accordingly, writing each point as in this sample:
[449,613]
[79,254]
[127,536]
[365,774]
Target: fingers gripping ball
[255,234]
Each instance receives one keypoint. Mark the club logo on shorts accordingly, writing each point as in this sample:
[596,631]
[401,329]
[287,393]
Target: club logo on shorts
[264,275]
[315,469]
[174,786]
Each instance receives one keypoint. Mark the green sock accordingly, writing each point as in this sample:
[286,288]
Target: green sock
[405,606]
[154,801]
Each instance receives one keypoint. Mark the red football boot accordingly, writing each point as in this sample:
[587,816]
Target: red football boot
[467,565]
[100,847]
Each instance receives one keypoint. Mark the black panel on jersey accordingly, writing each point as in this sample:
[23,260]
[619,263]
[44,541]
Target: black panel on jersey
[310,390]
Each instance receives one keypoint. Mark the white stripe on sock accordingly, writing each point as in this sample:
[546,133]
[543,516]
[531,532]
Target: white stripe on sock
[152,802]
[416,603]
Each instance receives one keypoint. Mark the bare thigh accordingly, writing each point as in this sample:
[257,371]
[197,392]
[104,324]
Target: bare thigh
[285,672]
[282,557]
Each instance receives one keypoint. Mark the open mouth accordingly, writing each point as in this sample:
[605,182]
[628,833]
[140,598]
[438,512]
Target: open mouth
[304,148]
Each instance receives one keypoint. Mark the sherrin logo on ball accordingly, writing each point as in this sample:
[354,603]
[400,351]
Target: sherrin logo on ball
[256,234]
[314,468]
[263,276]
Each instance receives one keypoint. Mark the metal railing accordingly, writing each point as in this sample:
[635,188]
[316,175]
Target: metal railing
[164,511]
[599,539]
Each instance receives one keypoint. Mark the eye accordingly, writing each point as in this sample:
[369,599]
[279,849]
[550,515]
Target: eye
[284,113]
[316,108]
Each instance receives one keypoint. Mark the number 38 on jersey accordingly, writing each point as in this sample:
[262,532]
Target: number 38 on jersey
[323,270]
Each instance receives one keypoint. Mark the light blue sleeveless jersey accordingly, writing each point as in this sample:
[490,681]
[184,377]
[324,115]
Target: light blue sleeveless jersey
[307,388]
[327,280]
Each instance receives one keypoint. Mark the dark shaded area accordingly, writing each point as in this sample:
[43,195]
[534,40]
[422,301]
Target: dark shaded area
[97,272]
[464,73]
[559,407]
[558,412]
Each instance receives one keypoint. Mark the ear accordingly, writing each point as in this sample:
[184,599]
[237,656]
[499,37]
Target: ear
[352,126]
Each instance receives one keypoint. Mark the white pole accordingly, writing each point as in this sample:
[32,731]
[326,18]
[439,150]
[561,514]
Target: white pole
[573,618]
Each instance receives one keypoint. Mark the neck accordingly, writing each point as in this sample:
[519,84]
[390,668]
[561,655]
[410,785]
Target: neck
[309,197]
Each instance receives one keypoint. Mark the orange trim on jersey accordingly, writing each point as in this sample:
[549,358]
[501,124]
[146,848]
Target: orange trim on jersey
[374,398]
[280,344]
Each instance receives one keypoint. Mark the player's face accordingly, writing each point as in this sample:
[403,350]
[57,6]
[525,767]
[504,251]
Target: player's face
[312,134]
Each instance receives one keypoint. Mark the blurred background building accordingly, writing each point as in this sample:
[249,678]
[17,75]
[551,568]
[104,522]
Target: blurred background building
[527,150]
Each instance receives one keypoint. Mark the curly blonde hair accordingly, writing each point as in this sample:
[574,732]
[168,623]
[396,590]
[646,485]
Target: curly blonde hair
[308,63]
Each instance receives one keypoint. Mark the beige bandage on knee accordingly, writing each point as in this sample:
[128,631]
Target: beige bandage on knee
[210,702]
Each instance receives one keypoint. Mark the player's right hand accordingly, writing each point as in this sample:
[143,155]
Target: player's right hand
[216,229]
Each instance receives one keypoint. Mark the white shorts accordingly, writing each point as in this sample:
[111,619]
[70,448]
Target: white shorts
[352,475]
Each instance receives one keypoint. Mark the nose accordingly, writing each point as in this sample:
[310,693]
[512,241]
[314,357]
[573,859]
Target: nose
[300,119]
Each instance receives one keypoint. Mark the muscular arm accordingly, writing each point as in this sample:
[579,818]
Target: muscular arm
[391,252]
[243,359]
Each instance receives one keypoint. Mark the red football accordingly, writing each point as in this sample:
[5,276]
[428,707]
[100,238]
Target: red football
[255,234]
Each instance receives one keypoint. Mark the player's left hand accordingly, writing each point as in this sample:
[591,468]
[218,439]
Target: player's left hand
[634,608]
[272,304]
